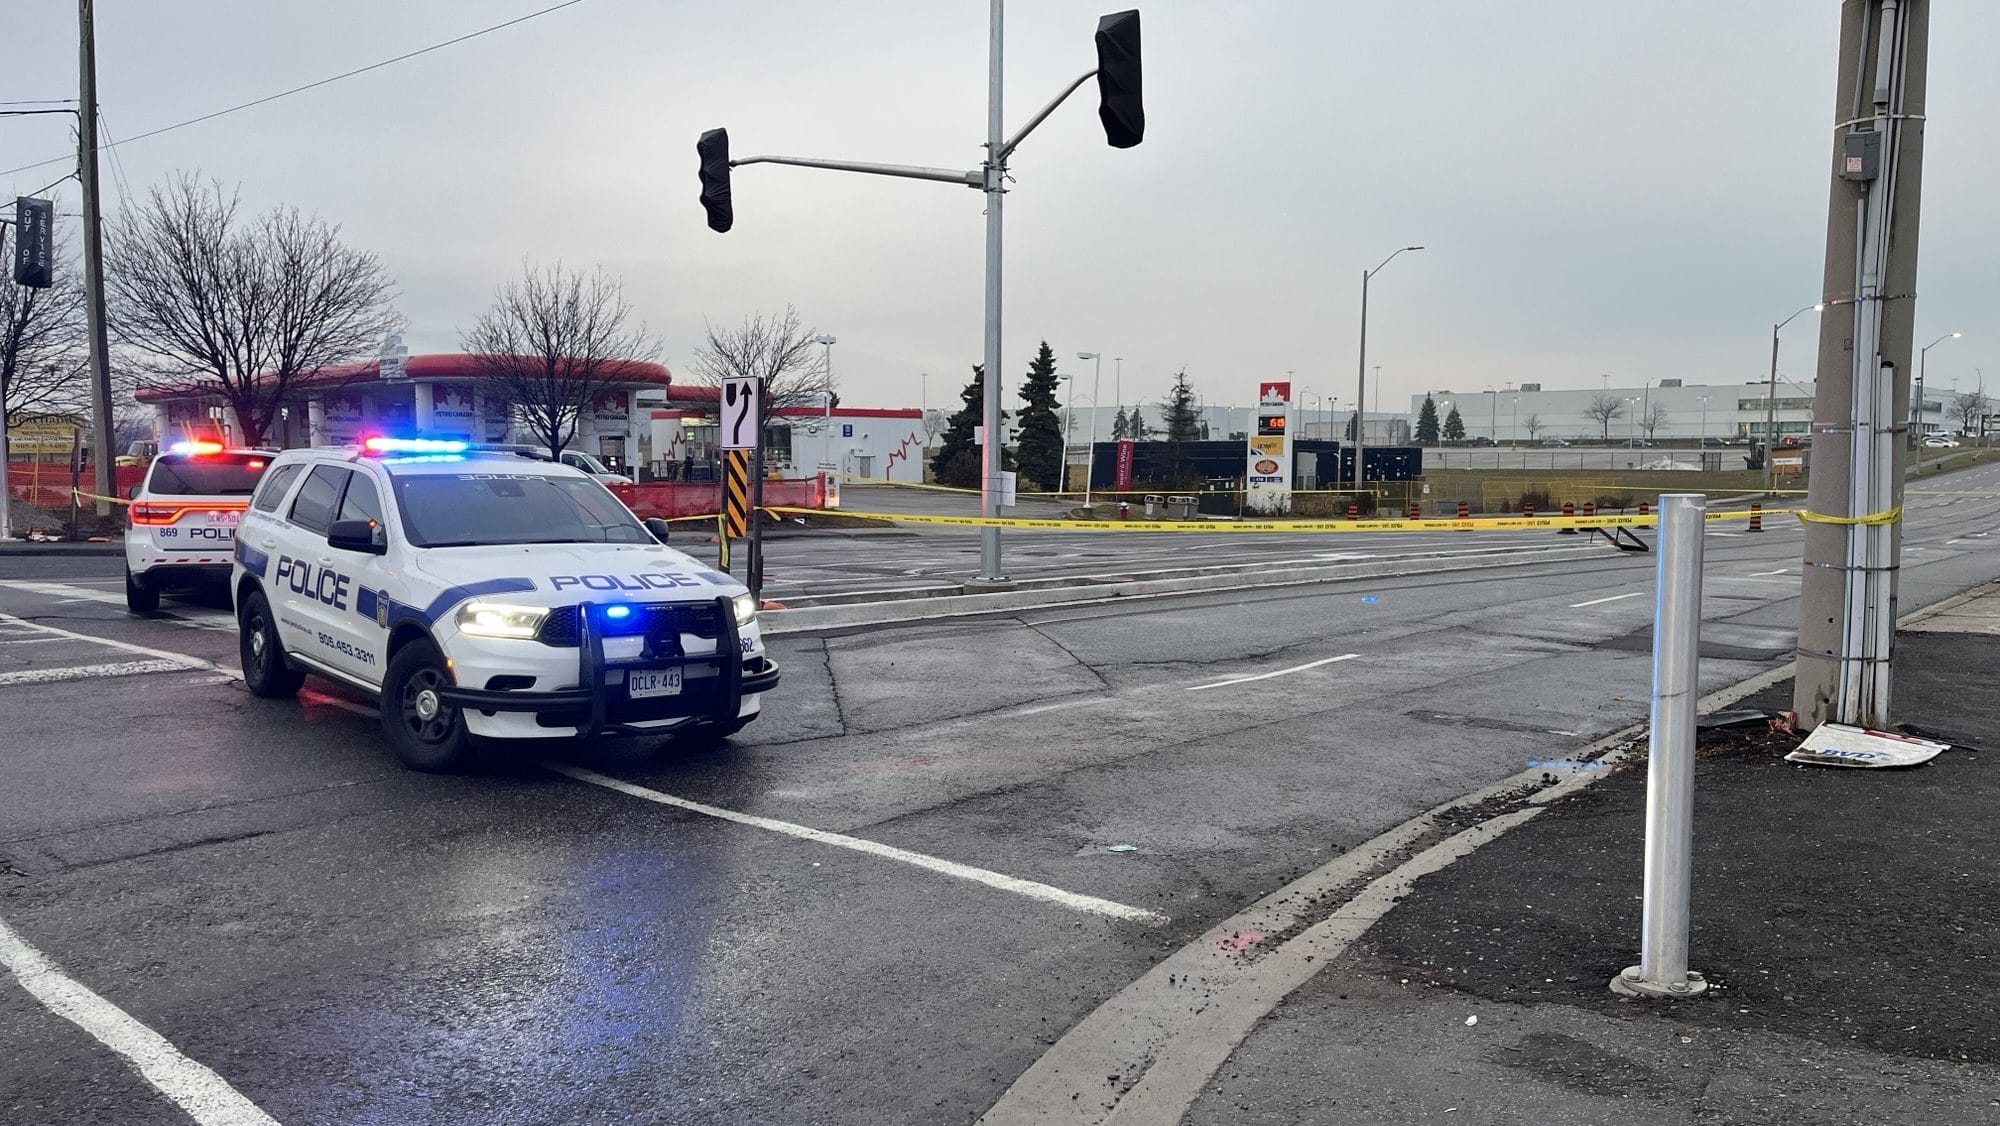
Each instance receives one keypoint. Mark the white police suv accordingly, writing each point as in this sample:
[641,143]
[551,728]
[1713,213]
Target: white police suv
[482,594]
[183,519]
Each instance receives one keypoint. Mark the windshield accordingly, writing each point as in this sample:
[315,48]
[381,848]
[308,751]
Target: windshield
[458,510]
[206,475]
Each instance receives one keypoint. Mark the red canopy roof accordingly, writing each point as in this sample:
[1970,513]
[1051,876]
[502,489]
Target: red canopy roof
[436,365]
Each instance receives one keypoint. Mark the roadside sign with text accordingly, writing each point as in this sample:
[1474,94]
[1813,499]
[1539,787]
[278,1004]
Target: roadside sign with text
[742,414]
[1124,474]
[34,242]
[1267,478]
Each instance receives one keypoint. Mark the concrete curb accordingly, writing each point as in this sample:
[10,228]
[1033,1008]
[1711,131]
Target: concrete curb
[60,550]
[908,609]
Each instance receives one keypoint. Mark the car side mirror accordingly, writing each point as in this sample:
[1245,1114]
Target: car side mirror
[358,535]
[659,528]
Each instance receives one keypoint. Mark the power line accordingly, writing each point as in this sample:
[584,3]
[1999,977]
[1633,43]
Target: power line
[317,84]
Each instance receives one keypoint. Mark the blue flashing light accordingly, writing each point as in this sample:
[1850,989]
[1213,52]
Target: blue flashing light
[385,445]
[421,458]
[617,613]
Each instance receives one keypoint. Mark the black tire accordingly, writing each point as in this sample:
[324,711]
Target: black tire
[140,598]
[266,672]
[426,732]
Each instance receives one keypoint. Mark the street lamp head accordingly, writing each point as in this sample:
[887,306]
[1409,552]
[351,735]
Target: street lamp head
[1820,308]
[824,339]
[1413,248]
[1956,335]
[1088,355]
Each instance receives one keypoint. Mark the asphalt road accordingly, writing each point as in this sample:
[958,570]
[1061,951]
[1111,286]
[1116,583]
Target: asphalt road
[338,940]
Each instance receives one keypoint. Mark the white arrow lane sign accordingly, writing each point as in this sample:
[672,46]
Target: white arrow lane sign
[740,414]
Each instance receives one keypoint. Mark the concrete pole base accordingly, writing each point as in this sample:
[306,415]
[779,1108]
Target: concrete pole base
[987,586]
[1632,983]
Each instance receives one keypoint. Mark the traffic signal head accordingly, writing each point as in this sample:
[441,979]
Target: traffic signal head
[713,149]
[1119,104]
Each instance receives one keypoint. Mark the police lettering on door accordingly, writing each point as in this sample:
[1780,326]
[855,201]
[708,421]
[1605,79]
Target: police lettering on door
[321,583]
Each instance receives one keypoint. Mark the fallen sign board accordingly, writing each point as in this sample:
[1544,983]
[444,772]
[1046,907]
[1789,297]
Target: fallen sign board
[1835,744]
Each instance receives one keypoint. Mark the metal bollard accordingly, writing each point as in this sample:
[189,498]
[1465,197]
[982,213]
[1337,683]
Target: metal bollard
[1663,941]
[1756,518]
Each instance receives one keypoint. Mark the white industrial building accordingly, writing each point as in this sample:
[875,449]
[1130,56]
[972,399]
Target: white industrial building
[1668,410]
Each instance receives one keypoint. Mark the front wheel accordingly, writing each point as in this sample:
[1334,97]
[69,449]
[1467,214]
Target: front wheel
[266,672]
[426,731]
[140,598]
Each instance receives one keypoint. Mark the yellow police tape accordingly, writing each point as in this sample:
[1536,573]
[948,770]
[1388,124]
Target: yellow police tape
[80,494]
[1441,524]
[1873,519]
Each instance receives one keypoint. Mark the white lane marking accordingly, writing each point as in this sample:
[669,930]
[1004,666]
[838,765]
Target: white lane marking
[1602,601]
[87,672]
[1028,888]
[1766,574]
[144,651]
[1274,673]
[28,640]
[192,617]
[205,1096]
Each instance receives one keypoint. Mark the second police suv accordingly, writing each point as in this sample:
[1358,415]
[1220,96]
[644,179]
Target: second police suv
[481,594]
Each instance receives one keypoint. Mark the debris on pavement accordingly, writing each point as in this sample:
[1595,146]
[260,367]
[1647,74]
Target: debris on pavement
[1837,744]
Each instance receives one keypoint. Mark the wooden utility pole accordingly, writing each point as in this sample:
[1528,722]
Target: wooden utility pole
[1847,605]
[93,256]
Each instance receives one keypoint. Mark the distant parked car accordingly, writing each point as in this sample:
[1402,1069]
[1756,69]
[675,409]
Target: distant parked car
[1636,443]
[1712,443]
[1554,444]
[1940,441]
[1482,440]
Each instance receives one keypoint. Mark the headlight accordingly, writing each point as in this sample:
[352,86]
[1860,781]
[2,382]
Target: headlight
[745,609]
[495,619]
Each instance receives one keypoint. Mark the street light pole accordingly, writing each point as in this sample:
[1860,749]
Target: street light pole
[1771,398]
[1922,355]
[1090,458]
[1361,373]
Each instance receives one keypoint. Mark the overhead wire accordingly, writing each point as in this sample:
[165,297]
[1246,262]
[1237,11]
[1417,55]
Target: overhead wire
[316,84]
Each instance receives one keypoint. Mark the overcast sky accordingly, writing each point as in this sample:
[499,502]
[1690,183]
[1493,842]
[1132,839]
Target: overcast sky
[1620,187]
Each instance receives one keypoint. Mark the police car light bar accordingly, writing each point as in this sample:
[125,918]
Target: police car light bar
[384,445]
[195,449]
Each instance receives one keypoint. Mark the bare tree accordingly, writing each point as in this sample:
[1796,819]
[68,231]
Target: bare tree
[775,349]
[1970,408]
[246,309]
[551,342]
[42,356]
[1604,408]
[935,422]
[1656,417]
[1533,425]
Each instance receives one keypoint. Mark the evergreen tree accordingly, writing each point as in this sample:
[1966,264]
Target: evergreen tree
[1039,446]
[1183,426]
[956,462]
[1353,420]
[1454,426]
[1118,425]
[1183,419]
[1427,423]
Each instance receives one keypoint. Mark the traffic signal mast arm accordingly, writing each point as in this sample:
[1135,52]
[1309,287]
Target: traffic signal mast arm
[971,179]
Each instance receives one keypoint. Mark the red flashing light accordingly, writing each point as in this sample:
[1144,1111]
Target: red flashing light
[196,448]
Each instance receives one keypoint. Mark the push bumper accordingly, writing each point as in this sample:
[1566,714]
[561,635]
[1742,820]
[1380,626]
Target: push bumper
[714,687]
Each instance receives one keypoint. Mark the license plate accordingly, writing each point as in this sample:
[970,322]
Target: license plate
[231,518]
[642,684]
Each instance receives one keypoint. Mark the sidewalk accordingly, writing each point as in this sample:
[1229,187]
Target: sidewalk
[1850,919]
